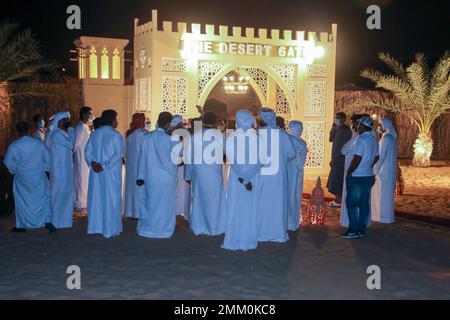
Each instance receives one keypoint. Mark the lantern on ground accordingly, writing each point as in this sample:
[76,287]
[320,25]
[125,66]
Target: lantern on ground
[316,211]
[400,182]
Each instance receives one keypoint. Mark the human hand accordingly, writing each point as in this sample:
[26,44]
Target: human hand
[249,186]
[140,182]
[241,180]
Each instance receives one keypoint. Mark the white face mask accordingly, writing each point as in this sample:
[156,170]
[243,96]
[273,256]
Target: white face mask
[91,119]
[148,125]
[380,130]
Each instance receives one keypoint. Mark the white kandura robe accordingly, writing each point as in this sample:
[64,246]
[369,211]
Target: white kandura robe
[295,178]
[81,168]
[133,193]
[347,151]
[273,191]
[61,178]
[241,229]
[382,197]
[159,172]
[105,146]
[208,195]
[28,160]
[183,195]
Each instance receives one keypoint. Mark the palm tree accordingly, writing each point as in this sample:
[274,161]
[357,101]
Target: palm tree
[20,59]
[420,93]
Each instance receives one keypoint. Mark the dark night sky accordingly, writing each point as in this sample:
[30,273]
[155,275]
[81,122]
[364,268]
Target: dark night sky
[407,26]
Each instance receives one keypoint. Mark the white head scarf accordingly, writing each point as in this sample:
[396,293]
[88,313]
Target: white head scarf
[176,120]
[296,128]
[245,120]
[58,117]
[269,117]
[389,127]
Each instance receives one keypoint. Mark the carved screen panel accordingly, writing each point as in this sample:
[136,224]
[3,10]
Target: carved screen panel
[314,136]
[174,95]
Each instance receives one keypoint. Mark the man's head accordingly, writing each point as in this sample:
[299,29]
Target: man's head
[340,119]
[281,123]
[62,120]
[138,120]
[109,118]
[164,120]
[365,124]
[97,123]
[22,128]
[38,120]
[355,120]
[268,118]
[86,114]
[209,119]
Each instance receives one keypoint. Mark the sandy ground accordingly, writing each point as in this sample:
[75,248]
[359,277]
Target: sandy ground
[315,264]
[426,191]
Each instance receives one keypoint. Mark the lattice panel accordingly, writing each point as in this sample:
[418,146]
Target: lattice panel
[315,98]
[288,73]
[282,107]
[174,95]
[314,136]
[316,70]
[173,64]
[260,77]
[142,89]
[206,71]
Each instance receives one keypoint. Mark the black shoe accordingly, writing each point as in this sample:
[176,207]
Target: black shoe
[18,230]
[350,235]
[50,227]
[362,233]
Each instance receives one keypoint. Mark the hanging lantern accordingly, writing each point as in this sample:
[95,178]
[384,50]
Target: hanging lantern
[316,211]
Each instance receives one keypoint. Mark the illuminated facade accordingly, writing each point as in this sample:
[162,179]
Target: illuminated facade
[175,69]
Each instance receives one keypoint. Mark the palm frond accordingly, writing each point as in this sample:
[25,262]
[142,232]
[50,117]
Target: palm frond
[419,84]
[392,63]
[400,88]
[441,71]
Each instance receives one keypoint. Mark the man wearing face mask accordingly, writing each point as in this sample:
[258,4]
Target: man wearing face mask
[61,172]
[39,132]
[360,179]
[347,151]
[81,168]
[340,134]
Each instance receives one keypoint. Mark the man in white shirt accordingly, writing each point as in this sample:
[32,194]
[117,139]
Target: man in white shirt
[360,179]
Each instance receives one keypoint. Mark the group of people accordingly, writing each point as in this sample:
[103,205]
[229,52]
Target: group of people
[363,172]
[62,169]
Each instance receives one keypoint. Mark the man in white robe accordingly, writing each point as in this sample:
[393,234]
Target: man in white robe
[61,172]
[81,169]
[382,198]
[273,183]
[39,123]
[104,153]
[133,193]
[295,175]
[29,161]
[183,188]
[157,175]
[241,229]
[205,173]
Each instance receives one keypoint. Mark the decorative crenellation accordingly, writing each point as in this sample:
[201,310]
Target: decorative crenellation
[173,64]
[314,136]
[315,98]
[224,31]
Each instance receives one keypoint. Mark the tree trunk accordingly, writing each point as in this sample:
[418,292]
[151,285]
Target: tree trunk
[423,147]
[5,118]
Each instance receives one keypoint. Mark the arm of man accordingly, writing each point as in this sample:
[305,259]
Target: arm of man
[354,165]
[9,161]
